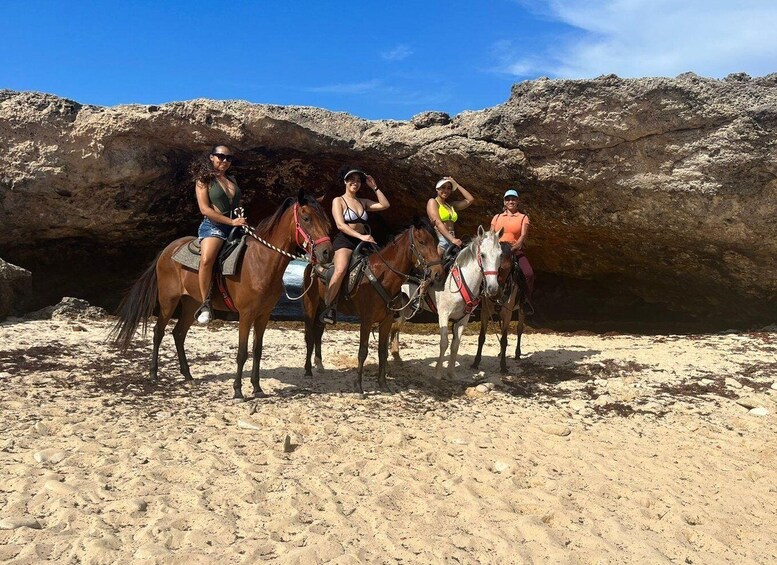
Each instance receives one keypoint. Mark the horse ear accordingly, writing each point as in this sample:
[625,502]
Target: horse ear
[320,199]
[301,196]
[481,231]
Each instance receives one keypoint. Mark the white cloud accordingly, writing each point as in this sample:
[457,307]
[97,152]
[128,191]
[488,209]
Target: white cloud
[348,88]
[653,38]
[397,53]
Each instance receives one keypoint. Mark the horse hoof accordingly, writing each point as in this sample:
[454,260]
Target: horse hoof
[474,366]
[308,373]
[237,400]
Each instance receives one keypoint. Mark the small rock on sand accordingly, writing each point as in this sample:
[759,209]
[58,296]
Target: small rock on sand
[733,383]
[749,402]
[51,455]
[14,522]
[248,426]
[760,411]
[482,388]
[556,430]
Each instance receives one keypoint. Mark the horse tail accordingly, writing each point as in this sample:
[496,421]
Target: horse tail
[136,307]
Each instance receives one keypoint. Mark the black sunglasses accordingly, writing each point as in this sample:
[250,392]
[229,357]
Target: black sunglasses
[223,157]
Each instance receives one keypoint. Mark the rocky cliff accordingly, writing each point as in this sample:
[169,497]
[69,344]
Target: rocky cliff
[650,199]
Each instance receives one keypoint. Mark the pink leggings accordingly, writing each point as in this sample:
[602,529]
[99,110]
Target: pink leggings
[528,272]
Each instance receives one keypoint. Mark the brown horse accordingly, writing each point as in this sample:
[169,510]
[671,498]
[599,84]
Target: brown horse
[255,289]
[510,298]
[415,247]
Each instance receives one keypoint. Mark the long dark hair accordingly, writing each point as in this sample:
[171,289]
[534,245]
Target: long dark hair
[201,168]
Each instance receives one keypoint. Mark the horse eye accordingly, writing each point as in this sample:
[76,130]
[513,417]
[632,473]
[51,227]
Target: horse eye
[305,218]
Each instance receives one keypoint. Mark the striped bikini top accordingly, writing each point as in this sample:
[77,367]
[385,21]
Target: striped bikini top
[350,216]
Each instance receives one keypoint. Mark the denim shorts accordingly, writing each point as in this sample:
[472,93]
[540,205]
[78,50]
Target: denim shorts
[212,229]
[443,243]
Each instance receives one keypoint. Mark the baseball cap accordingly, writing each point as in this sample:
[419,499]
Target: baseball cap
[511,192]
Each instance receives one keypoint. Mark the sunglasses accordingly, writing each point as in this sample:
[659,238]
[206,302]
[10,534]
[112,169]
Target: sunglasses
[223,157]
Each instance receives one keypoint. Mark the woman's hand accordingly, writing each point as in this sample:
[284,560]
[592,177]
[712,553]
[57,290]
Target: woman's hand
[453,182]
[235,222]
[371,182]
[457,242]
[367,238]
[516,246]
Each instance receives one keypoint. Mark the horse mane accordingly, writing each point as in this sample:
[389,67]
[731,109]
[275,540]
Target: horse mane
[506,249]
[467,255]
[268,224]
[418,222]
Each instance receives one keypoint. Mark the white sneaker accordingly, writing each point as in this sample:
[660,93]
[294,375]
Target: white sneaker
[204,316]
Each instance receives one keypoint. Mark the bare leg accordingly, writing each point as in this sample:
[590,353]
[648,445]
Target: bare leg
[342,258]
[209,252]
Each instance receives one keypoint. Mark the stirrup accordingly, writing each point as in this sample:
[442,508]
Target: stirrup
[328,316]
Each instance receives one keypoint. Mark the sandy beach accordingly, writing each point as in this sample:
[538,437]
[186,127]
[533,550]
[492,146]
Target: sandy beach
[593,449]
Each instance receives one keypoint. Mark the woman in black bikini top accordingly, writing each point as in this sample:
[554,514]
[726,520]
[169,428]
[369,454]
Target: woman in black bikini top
[350,215]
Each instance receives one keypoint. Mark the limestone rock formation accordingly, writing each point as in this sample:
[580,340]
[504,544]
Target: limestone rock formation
[15,290]
[649,198]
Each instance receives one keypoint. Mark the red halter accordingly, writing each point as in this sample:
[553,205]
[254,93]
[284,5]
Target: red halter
[470,302]
[307,239]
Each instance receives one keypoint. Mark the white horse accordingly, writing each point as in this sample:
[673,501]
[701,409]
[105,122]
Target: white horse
[473,273]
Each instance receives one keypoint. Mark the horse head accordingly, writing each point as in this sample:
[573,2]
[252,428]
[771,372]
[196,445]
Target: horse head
[506,264]
[425,241]
[490,259]
[313,228]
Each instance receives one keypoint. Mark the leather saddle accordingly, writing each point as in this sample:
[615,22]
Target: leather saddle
[229,256]
[356,267]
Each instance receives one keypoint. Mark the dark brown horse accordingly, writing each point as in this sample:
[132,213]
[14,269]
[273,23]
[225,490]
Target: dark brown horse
[414,248]
[298,223]
[510,298]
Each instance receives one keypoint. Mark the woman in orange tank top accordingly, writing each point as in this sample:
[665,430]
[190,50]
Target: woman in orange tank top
[516,228]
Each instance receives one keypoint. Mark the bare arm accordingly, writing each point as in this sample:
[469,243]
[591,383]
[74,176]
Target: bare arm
[468,198]
[210,211]
[524,232]
[337,214]
[371,205]
[434,218]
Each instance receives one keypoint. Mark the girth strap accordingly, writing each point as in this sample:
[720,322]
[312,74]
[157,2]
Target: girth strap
[221,284]
[470,303]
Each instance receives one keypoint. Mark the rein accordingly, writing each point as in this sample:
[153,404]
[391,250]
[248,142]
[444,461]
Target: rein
[309,255]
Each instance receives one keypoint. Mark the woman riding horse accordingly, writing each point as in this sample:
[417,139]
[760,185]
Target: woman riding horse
[218,196]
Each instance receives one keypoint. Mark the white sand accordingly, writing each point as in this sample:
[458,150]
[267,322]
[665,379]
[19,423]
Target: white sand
[658,465]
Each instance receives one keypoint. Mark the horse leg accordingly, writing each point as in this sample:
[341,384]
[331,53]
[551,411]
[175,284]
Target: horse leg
[166,308]
[259,326]
[506,314]
[383,338]
[485,315]
[309,306]
[458,329]
[394,340]
[519,331]
[188,307]
[443,344]
[364,340]
[319,335]
[310,340]
[242,355]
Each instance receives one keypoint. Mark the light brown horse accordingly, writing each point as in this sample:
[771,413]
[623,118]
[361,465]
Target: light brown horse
[510,299]
[298,223]
[416,248]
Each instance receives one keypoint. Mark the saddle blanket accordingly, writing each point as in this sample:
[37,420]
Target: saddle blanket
[189,256]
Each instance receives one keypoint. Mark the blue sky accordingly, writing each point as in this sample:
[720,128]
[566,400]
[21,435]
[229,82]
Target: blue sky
[371,59]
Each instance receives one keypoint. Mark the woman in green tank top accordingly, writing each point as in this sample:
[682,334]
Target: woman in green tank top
[217,197]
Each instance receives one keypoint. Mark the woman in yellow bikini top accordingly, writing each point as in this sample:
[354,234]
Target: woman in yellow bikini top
[444,214]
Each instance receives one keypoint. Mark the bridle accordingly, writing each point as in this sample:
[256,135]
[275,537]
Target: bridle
[470,302]
[307,239]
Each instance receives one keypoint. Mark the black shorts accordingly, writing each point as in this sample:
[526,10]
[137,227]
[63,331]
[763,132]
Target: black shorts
[343,241]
